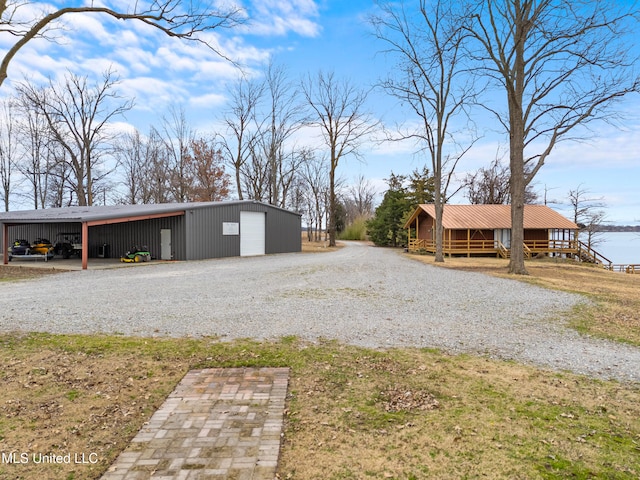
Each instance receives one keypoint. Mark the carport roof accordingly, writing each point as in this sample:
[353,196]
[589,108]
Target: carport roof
[104,213]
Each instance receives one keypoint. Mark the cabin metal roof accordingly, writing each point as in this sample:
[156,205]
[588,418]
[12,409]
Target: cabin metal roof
[489,217]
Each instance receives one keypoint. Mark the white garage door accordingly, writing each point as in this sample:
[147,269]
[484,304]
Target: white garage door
[252,233]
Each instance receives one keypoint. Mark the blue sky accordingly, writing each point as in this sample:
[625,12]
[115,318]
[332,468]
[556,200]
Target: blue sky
[306,36]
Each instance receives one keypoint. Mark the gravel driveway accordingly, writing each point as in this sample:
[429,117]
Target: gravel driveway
[359,295]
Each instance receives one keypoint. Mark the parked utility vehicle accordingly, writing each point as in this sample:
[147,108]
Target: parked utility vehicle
[68,244]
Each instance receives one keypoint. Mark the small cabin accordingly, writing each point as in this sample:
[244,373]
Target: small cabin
[486,230]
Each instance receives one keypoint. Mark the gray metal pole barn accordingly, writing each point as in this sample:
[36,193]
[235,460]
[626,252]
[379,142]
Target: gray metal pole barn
[187,231]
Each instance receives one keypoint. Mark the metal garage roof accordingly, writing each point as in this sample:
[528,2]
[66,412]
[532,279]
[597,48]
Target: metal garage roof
[488,217]
[105,213]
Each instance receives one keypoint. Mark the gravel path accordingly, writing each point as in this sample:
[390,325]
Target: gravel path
[359,295]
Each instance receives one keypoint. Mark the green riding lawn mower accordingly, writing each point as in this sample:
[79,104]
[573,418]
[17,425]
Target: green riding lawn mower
[136,255]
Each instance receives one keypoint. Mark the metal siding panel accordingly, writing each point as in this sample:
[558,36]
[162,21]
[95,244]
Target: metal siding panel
[284,232]
[204,232]
[49,231]
[122,236]
[283,229]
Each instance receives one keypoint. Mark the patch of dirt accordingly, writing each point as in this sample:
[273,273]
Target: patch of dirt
[401,399]
[317,247]
[14,272]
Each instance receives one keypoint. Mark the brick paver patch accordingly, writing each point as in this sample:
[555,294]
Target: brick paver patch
[218,423]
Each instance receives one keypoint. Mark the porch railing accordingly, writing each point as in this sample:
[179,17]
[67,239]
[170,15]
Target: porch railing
[588,254]
[455,246]
[571,248]
[633,268]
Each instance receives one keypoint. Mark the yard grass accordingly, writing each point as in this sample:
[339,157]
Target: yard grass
[352,413]
[316,247]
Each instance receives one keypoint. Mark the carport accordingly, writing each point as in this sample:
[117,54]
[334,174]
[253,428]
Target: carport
[85,216]
[178,231]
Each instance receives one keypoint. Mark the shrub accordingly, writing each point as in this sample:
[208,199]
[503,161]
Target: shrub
[357,230]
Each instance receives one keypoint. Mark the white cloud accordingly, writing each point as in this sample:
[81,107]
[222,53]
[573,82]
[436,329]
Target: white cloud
[612,147]
[281,17]
[138,61]
[96,67]
[86,24]
[209,100]
[151,94]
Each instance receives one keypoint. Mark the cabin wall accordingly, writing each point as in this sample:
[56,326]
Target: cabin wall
[474,235]
[536,235]
[426,227]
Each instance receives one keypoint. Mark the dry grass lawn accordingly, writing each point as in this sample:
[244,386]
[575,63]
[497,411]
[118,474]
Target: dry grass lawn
[317,247]
[352,413]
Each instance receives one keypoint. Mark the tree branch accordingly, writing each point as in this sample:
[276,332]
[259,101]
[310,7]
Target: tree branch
[166,16]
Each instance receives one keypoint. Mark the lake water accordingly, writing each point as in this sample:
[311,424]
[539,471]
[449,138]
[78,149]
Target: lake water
[619,247]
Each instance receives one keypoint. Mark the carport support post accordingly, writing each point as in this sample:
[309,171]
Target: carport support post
[85,245]
[5,243]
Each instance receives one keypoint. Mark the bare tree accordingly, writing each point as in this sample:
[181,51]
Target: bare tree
[60,191]
[37,162]
[240,121]
[157,188]
[361,196]
[490,185]
[8,148]
[281,119]
[177,135]
[255,175]
[175,18]
[588,213]
[144,168]
[263,118]
[77,116]
[428,42]
[289,174]
[130,152]
[561,64]
[338,110]
[315,176]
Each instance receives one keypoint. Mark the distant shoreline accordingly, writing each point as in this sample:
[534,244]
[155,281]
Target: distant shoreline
[619,228]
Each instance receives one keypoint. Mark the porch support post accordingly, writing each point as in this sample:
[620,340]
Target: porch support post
[85,245]
[468,242]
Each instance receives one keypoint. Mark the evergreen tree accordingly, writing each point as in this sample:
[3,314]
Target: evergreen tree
[385,229]
[421,187]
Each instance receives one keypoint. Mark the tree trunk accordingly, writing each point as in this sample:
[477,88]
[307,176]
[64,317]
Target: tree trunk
[237,165]
[332,204]
[516,264]
[439,211]
[517,184]
[516,146]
